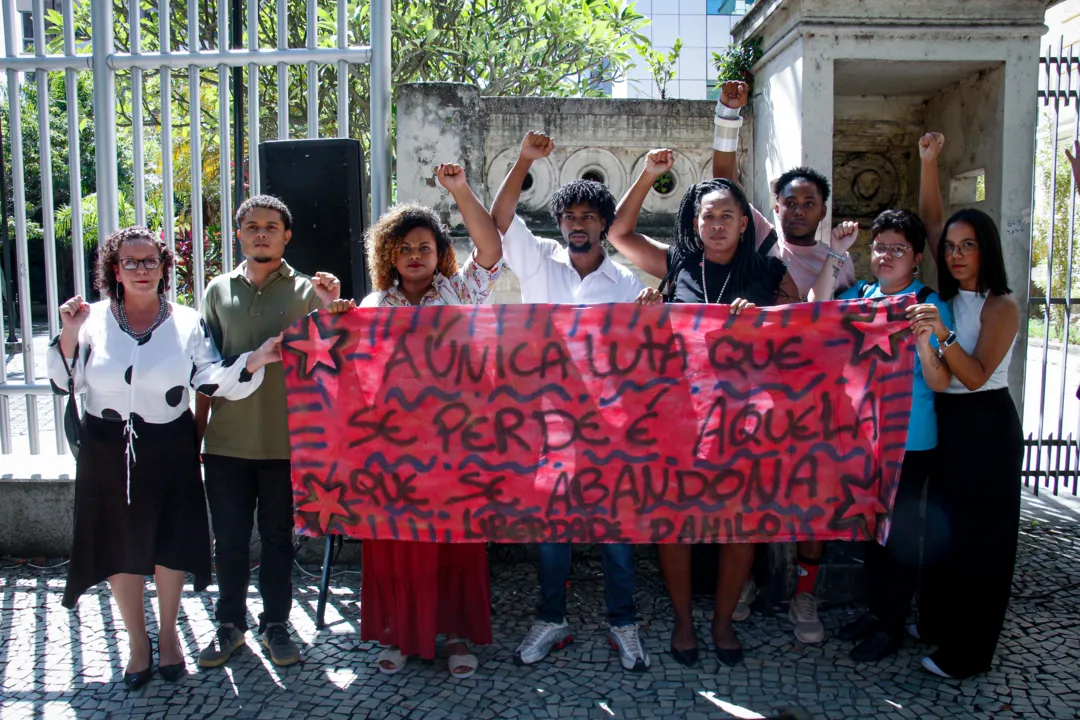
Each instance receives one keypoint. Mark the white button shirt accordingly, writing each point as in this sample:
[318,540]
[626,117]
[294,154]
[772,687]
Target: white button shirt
[547,276]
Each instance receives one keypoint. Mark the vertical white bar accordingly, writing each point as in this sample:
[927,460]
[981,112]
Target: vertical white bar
[5,411]
[101,26]
[48,219]
[224,164]
[342,70]
[282,72]
[168,201]
[254,182]
[78,255]
[312,71]
[13,41]
[138,156]
[195,124]
[380,108]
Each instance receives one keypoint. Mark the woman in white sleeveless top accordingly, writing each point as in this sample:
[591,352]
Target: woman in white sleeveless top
[971,547]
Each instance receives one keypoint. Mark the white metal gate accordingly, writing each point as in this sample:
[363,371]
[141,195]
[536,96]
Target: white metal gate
[105,62]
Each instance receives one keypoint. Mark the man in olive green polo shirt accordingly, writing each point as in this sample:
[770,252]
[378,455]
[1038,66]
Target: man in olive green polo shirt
[246,453]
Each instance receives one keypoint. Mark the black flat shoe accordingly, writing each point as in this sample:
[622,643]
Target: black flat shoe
[686,658]
[860,629]
[877,647]
[172,673]
[729,657]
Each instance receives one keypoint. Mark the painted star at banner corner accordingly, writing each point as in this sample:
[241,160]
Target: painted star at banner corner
[860,492]
[324,501]
[870,333]
[318,348]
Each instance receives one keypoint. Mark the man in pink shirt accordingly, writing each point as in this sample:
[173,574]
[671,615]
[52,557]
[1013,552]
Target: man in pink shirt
[801,196]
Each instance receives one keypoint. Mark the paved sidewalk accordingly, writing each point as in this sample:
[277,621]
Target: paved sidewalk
[56,663]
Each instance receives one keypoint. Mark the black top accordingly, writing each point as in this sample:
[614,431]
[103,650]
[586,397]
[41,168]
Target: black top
[762,293]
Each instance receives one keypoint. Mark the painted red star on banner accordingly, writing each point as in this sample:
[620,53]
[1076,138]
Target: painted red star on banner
[324,501]
[860,505]
[870,337]
[317,348]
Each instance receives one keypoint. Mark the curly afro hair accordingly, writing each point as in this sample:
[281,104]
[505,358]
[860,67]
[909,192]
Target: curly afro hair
[385,237]
[588,192]
[109,256]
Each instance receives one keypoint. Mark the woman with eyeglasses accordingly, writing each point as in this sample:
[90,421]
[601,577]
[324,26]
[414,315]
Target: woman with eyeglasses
[966,585]
[897,241]
[139,503]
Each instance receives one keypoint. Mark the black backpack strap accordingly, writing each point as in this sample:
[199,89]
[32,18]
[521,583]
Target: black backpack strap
[924,294]
[768,244]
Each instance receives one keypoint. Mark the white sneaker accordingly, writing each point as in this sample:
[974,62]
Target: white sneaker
[803,613]
[539,641]
[632,656]
[746,599]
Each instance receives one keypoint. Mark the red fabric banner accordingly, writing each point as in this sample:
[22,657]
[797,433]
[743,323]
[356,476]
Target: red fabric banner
[612,423]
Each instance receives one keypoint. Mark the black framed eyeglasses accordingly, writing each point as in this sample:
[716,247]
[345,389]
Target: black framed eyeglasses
[150,263]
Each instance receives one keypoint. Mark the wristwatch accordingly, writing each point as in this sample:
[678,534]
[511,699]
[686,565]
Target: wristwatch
[946,344]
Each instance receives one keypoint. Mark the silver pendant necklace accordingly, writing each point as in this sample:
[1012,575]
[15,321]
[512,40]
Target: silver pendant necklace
[125,324]
[705,290]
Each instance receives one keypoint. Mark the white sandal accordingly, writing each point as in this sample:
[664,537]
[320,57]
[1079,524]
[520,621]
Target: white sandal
[468,660]
[393,656]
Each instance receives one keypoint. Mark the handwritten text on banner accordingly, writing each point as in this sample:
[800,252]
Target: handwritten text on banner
[614,423]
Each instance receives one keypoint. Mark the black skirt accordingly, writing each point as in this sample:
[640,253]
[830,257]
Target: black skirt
[166,522]
[973,518]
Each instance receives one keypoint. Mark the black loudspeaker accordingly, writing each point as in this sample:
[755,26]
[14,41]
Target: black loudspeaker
[322,182]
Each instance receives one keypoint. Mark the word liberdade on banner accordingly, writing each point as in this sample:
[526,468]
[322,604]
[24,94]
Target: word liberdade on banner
[612,423]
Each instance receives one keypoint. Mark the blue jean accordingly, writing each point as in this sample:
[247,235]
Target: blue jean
[619,572]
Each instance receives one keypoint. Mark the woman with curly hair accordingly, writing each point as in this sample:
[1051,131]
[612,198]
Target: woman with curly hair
[139,502]
[413,591]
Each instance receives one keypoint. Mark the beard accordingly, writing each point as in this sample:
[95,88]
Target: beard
[261,258]
[580,248]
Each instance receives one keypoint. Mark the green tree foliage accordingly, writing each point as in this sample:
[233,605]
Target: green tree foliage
[505,47]
[661,64]
[1054,174]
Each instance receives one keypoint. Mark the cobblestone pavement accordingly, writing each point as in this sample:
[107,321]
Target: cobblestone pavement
[56,663]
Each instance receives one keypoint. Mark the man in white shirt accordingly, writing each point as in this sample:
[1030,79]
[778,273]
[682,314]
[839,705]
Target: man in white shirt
[580,273]
[802,196]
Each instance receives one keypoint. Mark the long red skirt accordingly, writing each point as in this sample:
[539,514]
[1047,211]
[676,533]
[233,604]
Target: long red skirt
[412,591]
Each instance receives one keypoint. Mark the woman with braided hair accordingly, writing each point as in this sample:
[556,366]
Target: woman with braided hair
[713,259]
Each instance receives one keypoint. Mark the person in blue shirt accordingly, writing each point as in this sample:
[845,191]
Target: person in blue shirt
[897,241]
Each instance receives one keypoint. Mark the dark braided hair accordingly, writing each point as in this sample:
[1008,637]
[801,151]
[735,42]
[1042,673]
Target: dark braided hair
[748,268]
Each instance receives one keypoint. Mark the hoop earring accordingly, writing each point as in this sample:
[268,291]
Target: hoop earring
[119,290]
[916,271]
[161,286]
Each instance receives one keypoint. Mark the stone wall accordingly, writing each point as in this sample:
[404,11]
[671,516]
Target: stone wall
[596,138]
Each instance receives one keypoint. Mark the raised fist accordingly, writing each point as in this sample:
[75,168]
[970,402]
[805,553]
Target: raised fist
[451,176]
[734,94]
[536,146]
[658,162]
[73,313]
[326,286]
[844,236]
[930,146]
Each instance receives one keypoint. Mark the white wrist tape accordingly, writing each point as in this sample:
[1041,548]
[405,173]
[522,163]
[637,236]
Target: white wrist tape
[723,111]
[726,134]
